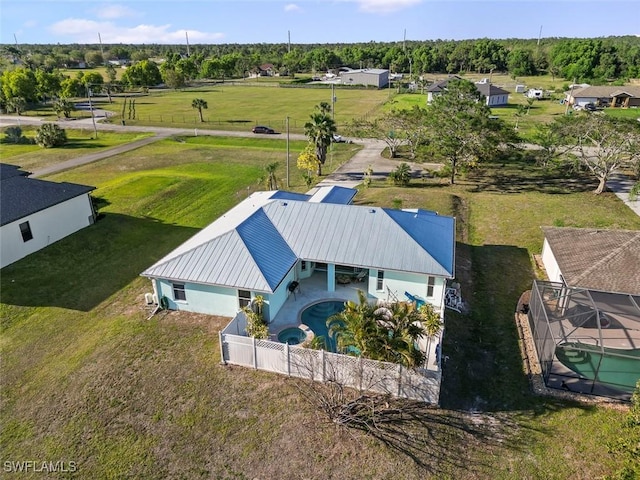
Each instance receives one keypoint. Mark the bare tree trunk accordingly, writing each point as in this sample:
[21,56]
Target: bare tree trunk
[602,185]
[453,170]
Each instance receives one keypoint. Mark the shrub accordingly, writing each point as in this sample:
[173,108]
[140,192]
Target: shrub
[51,135]
[401,175]
[14,135]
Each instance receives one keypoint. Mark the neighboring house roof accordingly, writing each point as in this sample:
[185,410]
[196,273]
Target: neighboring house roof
[596,259]
[21,196]
[255,244]
[490,90]
[605,91]
[442,84]
[375,71]
[8,171]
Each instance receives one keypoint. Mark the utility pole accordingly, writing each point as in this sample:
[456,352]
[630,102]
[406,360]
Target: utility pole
[289,41]
[101,49]
[333,102]
[186,34]
[287,152]
[93,118]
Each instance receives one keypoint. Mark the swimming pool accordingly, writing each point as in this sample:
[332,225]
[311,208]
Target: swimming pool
[315,317]
[604,366]
[292,336]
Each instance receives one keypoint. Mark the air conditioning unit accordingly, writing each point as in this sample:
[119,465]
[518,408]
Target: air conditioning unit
[148,297]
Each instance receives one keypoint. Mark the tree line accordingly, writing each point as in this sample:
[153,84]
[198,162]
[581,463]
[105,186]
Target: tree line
[595,60]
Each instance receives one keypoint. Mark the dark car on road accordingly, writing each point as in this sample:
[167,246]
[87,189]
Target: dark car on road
[262,129]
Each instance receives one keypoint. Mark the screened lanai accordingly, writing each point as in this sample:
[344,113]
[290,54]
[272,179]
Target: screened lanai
[587,341]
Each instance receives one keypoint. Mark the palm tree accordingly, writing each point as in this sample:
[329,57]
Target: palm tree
[354,327]
[320,132]
[400,330]
[272,180]
[199,103]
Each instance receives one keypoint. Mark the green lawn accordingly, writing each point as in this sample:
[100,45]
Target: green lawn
[88,377]
[240,107]
[80,142]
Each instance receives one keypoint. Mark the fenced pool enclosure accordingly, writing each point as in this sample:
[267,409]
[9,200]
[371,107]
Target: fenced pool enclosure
[587,341]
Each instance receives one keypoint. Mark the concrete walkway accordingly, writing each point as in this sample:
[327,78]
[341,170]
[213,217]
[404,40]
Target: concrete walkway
[621,185]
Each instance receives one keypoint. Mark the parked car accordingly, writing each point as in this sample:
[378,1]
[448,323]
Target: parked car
[338,138]
[590,107]
[262,129]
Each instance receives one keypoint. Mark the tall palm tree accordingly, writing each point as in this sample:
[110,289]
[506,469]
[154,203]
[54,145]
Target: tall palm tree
[320,130]
[199,104]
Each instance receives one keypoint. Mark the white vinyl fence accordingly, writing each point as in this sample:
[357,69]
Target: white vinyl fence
[318,365]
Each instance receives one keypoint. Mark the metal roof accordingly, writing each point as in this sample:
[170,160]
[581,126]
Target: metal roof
[334,194]
[256,251]
[283,195]
[269,250]
[21,196]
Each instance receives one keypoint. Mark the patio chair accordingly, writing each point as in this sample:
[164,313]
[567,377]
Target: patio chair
[360,276]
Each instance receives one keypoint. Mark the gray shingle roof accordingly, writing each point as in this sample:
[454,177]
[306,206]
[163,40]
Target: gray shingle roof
[488,89]
[21,196]
[605,91]
[603,260]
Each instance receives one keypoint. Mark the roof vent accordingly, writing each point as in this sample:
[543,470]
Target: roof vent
[372,210]
[284,204]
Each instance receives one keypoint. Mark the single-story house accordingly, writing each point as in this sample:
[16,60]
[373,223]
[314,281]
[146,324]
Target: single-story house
[495,96]
[376,77]
[274,240]
[35,213]
[605,96]
[595,259]
[585,321]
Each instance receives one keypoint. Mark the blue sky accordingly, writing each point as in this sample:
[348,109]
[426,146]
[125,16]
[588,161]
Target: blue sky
[309,21]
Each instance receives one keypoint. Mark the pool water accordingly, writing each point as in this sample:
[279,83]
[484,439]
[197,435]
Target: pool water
[315,317]
[292,336]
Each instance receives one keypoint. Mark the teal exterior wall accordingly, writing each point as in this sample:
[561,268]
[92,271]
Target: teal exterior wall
[413,283]
[277,298]
[209,299]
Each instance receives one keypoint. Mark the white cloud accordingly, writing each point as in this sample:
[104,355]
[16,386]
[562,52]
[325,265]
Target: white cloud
[85,31]
[292,7]
[385,6]
[114,10]
[30,24]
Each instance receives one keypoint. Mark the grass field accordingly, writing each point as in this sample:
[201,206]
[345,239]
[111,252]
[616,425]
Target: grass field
[80,142]
[240,107]
[86,377]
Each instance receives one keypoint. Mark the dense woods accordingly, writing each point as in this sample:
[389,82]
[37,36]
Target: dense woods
[596,60]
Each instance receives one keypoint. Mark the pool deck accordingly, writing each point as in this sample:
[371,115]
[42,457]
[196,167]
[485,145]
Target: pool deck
[313,290]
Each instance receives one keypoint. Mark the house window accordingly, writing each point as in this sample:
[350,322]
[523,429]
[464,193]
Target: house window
[303,265]
[179,293]
[244,298]
[380,283]
[431,283]
[25,230]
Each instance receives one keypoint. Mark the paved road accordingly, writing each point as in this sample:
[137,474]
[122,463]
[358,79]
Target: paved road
[348,175]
